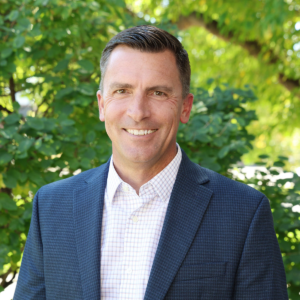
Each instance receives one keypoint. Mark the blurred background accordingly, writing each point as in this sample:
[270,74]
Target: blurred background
[245,59]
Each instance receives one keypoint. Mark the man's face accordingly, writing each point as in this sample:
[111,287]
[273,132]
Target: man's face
[142,105]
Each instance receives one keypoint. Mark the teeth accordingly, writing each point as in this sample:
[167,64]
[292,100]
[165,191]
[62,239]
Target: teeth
[139,132]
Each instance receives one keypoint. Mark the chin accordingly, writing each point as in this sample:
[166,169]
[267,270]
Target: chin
[140,156]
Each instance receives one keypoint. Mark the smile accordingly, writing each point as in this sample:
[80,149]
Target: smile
[140,132]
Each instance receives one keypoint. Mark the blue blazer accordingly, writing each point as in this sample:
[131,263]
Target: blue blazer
[217,241]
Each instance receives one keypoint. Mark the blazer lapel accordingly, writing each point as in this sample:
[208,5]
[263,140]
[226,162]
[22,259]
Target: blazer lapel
[87,210]
[187,205]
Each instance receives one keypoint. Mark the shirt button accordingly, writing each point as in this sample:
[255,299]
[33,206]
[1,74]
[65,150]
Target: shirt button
[135,219]
[126,189]
[128,271]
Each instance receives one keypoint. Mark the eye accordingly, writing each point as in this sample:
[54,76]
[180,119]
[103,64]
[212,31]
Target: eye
[158,93]
[120,91]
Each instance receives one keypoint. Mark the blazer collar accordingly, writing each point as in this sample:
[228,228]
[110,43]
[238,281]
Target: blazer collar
[188,203]
[87,212]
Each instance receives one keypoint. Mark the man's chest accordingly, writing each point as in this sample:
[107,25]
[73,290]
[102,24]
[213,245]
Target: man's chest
[131,229]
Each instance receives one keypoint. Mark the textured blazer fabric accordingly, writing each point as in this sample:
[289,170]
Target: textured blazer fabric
[217,241]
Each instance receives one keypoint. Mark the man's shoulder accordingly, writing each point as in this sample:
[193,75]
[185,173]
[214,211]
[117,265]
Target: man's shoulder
[72,183]
[226,187]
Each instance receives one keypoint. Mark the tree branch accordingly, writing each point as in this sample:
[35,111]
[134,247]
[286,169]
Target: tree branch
[12,89]
[2,108]
[253,47]
[5,283]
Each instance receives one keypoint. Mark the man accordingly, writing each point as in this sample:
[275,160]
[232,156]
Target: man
[149,224]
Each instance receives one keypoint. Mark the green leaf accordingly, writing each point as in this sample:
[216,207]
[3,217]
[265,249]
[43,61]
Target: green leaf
[82,101]
[67,122]
[283,158]
[119,3]
[90,154]
[28,212]
[3,141]
[263,156]
[86,89]
[38,144]
[63,92]
[85,163]
[8,132]
[23,24]
[90,136]
[35,177]
[14,240]
[6,52]
[241,121]
[11,67]
[3,219]
[3,63]
[5,158]
[73,163]
[16,106]
[278,164]
[7,203]
[210,163]
[18,41]
[49,124]
[12,118]
[13,15]
[87,65]
[223,152]
[17,256]
[62,65]
[35,123]
[274,172]
[9,180]
[47,150]
[17,224]
[210,80]
[23,177]
[25,145]
[204,138]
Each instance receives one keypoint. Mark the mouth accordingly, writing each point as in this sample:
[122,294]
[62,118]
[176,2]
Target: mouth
[140,132]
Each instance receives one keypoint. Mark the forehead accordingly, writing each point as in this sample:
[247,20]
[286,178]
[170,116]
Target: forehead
[135,65]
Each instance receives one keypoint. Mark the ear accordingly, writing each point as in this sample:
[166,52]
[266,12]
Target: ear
[186,108]
[101,106]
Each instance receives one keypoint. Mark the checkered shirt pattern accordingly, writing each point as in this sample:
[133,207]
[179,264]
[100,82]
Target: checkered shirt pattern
[131,229]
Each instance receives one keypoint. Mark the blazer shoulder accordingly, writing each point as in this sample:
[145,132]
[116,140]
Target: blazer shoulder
[229,187]
[74,182]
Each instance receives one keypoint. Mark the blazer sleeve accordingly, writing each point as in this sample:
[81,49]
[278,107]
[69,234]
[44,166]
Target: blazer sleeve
[261,274]
[31,283]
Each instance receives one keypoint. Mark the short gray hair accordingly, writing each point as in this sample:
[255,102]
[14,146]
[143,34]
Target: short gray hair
[149,38]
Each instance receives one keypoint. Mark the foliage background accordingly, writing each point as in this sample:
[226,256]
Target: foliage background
[246,115]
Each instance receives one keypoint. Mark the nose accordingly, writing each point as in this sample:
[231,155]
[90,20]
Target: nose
[138,108]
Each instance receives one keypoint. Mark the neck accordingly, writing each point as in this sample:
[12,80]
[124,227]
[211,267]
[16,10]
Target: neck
[137,174]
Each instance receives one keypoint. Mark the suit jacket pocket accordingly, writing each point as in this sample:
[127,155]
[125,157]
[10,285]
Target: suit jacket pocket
[203,270]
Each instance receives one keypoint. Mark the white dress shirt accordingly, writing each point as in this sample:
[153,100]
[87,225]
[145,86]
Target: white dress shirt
[131,229]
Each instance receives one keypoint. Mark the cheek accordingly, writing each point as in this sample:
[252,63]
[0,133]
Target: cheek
[168,112]
[113,110]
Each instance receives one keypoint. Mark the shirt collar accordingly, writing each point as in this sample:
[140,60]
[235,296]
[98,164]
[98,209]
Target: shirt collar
[162,182]
[113,181]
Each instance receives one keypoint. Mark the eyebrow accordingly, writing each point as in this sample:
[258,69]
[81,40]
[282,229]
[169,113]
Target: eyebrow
[164,88]
[119,85]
